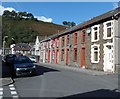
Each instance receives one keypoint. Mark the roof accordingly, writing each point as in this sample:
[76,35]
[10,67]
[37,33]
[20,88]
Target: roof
[99,19]
[22,47]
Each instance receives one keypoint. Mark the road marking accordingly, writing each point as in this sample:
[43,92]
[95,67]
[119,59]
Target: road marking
[1,89]
[11,85]
[15,96]
[12,88]
[1,93]
[1,97]
[13,91]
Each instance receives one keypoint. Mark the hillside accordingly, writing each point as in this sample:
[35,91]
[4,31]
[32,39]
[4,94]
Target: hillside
[27,30]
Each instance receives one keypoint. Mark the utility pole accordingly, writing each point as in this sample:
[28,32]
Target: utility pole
[4,44]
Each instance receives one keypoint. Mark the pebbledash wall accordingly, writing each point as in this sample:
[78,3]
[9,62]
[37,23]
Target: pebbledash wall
[94,44]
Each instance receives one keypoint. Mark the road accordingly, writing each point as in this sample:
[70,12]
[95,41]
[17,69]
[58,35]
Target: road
[55,82]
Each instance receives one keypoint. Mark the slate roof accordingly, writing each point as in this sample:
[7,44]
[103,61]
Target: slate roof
[96,20]
[22,47]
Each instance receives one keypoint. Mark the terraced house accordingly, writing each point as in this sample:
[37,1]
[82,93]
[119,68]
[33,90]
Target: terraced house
[94,44]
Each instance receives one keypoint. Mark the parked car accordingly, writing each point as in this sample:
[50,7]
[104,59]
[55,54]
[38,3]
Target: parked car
[23,66]
[33,58]
[9,59]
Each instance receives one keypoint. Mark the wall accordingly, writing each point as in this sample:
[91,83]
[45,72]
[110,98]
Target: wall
[117,45]
[96,66]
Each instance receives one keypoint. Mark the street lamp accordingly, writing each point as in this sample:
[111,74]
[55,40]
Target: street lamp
[4,44]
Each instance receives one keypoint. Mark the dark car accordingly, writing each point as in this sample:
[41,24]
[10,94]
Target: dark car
[9,59]
[23,66]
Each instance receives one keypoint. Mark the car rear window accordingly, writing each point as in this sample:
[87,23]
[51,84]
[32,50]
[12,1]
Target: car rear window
[22,60]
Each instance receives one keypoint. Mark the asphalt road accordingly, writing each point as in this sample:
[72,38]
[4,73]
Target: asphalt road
[57,82]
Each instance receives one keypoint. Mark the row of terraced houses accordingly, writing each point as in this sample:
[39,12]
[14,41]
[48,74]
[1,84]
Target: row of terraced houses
[94,44]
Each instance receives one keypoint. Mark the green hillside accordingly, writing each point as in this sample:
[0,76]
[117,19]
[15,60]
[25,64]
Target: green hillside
[27,30]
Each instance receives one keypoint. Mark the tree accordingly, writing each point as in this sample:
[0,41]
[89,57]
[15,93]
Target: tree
[69,24]
[73,24]
[65,23]
[14,14]
[30,16]
[7,13]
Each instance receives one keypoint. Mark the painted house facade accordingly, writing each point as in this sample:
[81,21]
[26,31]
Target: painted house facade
[94,44]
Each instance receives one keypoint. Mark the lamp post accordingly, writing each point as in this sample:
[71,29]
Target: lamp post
[4,44]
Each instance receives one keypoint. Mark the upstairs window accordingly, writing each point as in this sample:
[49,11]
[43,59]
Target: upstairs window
[75,38]
[83,36]
[57,42]
[67,40]
[63,41]
[108,30]
[95,33]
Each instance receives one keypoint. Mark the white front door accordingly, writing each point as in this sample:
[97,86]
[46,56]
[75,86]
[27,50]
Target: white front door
[108,59]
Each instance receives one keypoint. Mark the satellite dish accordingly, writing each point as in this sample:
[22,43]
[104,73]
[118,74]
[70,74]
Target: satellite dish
[88,31]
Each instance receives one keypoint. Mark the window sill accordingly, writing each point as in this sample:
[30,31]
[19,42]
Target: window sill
[94,40]
[95,62]
[107,38]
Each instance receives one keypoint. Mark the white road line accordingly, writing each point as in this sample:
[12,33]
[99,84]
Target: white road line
[11,85]
[15,96]
[13,91]
[1,93]
[12,88]
[1,97]
[1,89]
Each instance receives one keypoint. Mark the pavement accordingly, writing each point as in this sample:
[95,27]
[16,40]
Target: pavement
[6,78]
[5,81]
[82,70]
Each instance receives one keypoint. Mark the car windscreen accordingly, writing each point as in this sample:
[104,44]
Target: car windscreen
[32,57]
[22,60]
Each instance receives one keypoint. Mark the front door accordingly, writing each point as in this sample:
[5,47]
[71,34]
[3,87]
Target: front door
[82,58]
[108,58]
[57,56]
[67,51]
[48,56]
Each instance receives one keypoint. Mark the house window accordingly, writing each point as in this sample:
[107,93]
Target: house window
[63,41]
[62,55]
[53,54]
[67,40]
[108,30]
[46,54]
[95,33]
[83,37]
[75,55]
[95,53]
[57,42]
[75,38]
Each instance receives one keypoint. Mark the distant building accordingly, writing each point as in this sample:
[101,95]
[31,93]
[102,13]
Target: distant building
[37,44]
[22,48]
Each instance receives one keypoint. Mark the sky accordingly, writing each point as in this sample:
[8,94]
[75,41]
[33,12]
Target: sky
[57,12]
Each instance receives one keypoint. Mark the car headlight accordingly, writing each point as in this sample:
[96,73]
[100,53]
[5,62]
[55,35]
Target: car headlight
[17,68]
[34,66]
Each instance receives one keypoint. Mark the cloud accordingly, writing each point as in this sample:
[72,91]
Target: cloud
[2,9]
[43,18]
